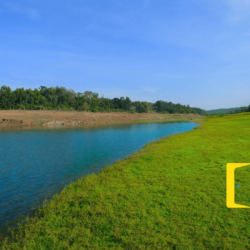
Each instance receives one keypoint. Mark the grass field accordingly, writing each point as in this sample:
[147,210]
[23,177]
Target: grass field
[169,195]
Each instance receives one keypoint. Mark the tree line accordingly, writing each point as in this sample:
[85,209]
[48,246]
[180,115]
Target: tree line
[229,111]
[60,98]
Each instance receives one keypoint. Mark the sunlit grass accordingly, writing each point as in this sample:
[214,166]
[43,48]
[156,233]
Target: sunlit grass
[41,123]
[169,195]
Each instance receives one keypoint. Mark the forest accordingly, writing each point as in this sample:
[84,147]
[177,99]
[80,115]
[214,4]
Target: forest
[60,98]
[228,111]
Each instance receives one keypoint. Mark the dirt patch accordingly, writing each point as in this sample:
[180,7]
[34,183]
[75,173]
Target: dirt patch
[61,118]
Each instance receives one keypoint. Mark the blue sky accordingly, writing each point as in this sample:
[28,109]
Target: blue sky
[194,52]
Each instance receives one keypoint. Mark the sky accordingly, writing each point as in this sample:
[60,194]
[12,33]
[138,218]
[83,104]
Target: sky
[194,52]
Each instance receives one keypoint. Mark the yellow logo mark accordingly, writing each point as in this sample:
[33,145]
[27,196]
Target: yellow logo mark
[230,184]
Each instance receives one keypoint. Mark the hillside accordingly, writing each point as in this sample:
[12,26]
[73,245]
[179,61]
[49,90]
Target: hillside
[226,111]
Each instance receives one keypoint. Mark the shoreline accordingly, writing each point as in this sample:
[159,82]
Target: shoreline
[22,220]
[16,233]
[29,119]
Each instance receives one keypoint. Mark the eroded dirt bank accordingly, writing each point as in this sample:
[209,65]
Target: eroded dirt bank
[54,118]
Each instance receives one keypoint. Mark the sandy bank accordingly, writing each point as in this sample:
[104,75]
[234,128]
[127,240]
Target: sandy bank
[61,118]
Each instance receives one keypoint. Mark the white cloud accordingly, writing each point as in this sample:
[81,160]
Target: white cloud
[167,75]
[146,4]
[239,9]
[239,5]
[152,90]
[31,12]
[247,33]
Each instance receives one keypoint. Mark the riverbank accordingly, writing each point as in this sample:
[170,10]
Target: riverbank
[38,118]
[169,195]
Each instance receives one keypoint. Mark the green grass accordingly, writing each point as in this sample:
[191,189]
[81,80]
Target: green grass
[41,123]
[169,195]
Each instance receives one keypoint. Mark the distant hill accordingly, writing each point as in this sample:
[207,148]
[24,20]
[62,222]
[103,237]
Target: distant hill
[226,111]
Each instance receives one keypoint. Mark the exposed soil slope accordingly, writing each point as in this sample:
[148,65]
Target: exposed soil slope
[53,118]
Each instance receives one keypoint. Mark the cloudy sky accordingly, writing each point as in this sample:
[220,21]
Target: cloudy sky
[194,52]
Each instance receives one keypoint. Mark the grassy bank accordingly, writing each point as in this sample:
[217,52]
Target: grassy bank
[169,195]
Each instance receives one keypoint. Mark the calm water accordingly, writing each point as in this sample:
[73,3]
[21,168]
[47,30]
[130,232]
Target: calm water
[34,165]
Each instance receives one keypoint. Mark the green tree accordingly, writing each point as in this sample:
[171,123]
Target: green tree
[248,109]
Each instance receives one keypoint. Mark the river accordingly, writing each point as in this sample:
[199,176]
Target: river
[36,164]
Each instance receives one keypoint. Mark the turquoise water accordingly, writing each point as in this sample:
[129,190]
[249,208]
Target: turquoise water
[34,165]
